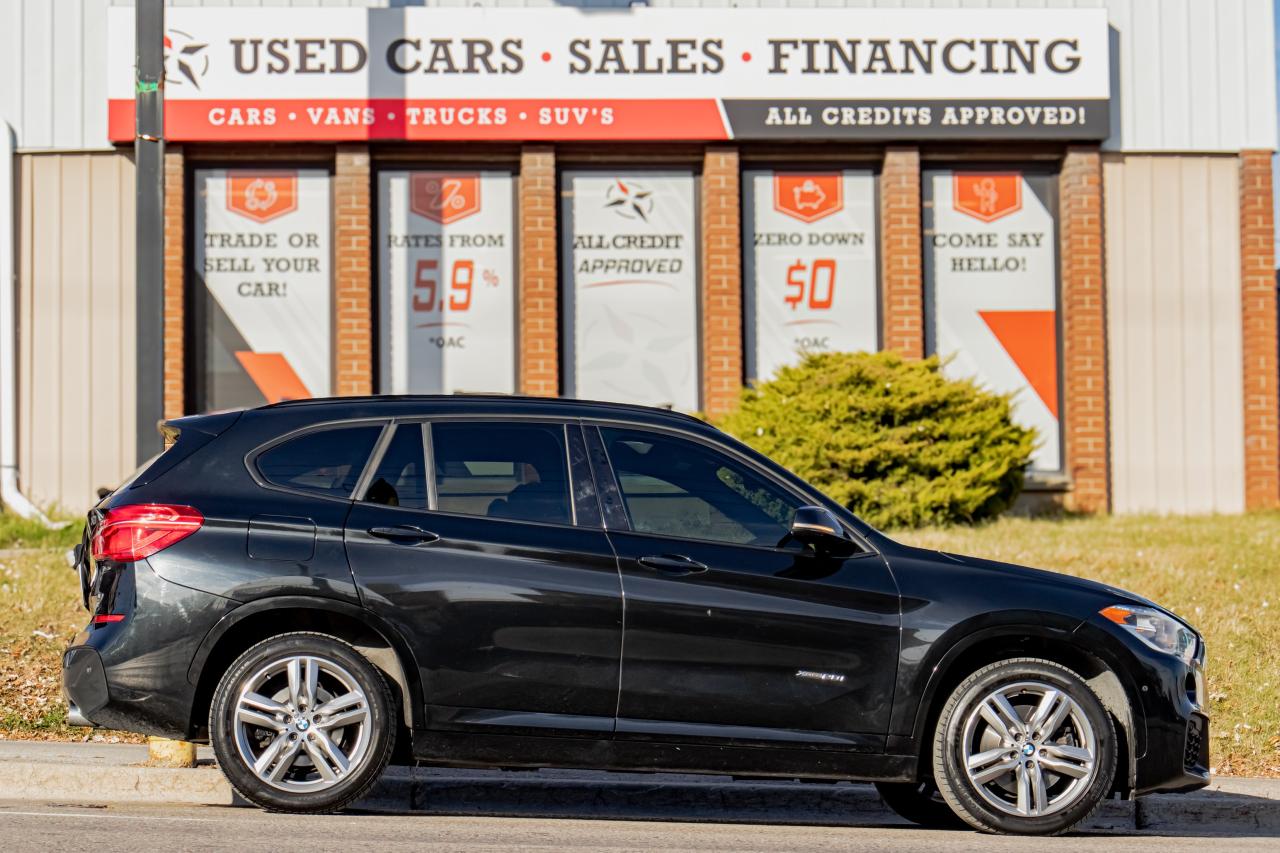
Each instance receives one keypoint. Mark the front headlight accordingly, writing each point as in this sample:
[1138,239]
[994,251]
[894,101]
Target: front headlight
[1160,632]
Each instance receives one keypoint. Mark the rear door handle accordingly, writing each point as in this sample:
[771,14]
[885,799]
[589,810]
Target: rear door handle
[672,564]
[404,533]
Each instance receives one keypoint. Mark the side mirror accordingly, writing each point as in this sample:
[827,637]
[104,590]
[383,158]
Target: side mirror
[815,524]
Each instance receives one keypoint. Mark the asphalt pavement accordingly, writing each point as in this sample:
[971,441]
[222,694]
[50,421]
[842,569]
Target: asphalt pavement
[26,825]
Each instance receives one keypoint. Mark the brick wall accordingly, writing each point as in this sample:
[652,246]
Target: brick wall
[1258,315]
[353,273]
[174,282]
[539,299]
[721,281]
[900,252]
[1084,344]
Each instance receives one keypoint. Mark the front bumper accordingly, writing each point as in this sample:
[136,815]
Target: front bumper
[1174,702]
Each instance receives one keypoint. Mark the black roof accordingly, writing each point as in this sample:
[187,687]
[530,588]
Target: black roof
[426,404]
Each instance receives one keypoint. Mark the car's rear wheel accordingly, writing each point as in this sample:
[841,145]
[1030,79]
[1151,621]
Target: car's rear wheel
[1024,746]
[302,723]
[919,802]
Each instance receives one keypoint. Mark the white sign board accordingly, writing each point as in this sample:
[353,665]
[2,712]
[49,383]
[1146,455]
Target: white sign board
[263,252]
[992,260]
[635,73]
[447,281]
[633,286]
[811,264]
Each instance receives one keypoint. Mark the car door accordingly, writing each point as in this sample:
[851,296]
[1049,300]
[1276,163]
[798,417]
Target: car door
[480,540]
[734,630]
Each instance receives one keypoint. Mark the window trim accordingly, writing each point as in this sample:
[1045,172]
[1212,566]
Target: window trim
[375,460]
[251,458]
[805,500]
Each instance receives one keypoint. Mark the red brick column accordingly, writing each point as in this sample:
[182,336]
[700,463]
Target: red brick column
[900,252]
[353,272]
[1258,316]
[175,186]
[539,299]
[1084,330]
[721,281]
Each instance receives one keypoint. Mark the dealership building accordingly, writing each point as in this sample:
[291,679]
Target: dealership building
[1070,201]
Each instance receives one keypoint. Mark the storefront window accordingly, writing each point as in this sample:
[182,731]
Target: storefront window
[262,286]
[991,290]
[447,289]
[631,286]
[810,271]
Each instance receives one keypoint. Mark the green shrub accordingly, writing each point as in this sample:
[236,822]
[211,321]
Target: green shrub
[897,442]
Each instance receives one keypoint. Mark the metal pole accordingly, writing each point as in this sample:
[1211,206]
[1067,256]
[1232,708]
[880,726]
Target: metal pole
[148,149]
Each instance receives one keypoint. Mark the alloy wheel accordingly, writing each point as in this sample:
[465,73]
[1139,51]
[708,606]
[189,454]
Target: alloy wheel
[1029,750]
[302,723]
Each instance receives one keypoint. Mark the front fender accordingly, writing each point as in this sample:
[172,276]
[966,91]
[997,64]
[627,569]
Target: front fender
[926,662]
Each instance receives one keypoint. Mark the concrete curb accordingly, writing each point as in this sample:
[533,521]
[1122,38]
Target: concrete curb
[582,794]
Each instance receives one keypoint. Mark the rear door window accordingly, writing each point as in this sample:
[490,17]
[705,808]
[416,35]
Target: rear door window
[325,462]
[516,471]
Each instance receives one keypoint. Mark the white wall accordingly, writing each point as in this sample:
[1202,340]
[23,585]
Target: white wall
[1174,342]
[1193,75]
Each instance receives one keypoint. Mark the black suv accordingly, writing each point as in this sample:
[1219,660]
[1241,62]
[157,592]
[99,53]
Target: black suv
[317,586]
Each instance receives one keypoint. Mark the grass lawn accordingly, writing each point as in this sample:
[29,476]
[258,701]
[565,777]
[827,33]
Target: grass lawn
[1220,573]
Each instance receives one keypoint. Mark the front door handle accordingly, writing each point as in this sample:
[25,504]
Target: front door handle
[404,533]
[672,564]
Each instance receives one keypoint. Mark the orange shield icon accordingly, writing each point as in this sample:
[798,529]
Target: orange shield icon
[444,197]
[986,196]
[808,197]
[262,196]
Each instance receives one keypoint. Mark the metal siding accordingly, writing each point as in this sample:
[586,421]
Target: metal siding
[1173,311]
[76,356]
[1194,75]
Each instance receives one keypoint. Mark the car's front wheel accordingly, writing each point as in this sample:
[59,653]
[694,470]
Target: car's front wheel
[302,723]
[1024,746]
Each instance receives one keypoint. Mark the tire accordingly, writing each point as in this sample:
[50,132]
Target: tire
[266,715]
[919,802]
[987,764]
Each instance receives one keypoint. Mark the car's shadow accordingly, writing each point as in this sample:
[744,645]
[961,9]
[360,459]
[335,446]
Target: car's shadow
[589,795]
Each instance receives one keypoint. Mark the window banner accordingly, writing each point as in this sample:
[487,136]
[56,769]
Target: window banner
[262,252]
[633,287]
[810,266]
[991,266]
[446,282]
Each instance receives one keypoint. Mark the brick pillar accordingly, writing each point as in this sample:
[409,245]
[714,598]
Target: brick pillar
[539,299]
[353,273]
[900,252]
[1258,316]
[721,281]
[175,187]
[1084,330]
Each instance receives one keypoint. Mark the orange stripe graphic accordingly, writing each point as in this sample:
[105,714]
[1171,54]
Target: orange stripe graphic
[1031,339]
[273,375]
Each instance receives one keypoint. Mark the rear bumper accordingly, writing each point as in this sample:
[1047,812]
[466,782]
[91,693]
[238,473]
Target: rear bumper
[132,675]
[84,684]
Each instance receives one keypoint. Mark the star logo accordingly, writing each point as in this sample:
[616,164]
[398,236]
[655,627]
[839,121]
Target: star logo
[184,57]
[629,200]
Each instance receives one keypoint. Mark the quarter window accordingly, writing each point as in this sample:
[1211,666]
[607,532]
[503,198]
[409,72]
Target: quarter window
[326,462]
[401,479]
[675,487]
[501,470]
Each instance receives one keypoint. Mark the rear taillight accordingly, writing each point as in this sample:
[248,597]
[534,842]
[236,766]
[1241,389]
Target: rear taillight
[108,618]
[134,532]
